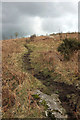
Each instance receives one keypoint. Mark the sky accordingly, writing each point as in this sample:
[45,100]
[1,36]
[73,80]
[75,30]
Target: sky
[38,18]
[0,21]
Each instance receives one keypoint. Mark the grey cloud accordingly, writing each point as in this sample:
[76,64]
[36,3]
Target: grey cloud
[37,17]
[0,21]
[43,9]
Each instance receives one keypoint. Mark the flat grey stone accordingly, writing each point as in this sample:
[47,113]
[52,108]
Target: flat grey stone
[54,104]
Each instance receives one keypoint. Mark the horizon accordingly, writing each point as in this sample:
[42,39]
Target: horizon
[51,34]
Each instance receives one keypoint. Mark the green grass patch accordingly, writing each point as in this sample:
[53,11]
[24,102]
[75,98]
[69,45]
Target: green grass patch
[44,104]
[36,97]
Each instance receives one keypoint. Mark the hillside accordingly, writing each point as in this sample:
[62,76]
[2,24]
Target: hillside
[35,64]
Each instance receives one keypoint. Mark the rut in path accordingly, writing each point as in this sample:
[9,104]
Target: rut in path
[63,89]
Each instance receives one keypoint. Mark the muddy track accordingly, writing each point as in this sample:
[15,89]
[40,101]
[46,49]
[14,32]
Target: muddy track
[63,89]
[26,60]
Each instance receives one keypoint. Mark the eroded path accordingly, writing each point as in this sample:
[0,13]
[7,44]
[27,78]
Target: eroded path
[68,94]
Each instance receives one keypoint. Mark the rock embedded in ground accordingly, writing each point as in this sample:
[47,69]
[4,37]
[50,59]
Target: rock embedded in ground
[53,103]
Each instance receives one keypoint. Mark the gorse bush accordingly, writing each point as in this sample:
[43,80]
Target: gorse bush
[32,37]
[68,47]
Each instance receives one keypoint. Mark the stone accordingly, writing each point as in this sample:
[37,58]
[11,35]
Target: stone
[53,103]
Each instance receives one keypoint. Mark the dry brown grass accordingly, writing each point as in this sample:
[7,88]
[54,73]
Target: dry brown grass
[47,48]
[12,75]
[14,78]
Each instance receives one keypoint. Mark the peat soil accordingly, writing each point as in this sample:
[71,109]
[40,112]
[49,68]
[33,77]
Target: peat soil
[68,94]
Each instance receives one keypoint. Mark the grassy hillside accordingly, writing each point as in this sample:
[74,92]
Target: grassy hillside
[29,64]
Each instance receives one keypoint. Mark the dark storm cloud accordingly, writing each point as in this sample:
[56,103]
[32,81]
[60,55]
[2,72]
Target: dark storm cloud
[29,18]
[44,9]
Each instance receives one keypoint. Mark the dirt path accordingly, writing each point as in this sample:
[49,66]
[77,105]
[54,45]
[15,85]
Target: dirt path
[68,94]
